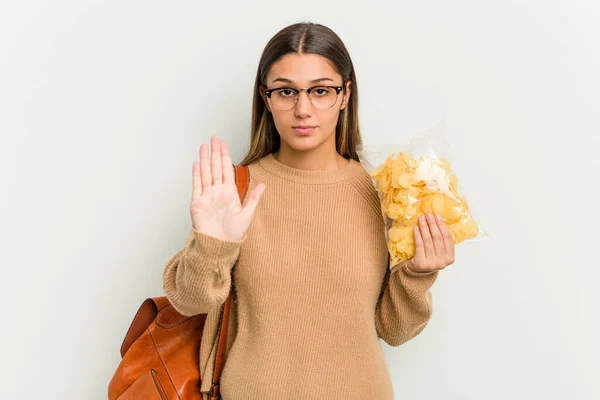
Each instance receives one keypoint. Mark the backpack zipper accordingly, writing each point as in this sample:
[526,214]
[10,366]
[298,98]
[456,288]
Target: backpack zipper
[159,387]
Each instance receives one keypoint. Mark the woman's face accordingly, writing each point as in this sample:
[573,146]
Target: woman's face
[305,71]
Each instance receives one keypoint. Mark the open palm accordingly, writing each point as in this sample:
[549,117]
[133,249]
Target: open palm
[215,208]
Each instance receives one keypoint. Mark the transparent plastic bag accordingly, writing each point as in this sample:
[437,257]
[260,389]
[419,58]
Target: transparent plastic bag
[415,179]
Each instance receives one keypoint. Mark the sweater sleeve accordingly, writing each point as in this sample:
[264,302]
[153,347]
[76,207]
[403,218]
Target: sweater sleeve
[404,307]
[198,277]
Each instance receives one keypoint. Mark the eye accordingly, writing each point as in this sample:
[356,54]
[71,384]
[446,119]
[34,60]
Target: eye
[321,91]
[285,92]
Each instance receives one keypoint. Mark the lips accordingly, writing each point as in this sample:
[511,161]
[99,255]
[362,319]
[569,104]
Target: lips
[304,129]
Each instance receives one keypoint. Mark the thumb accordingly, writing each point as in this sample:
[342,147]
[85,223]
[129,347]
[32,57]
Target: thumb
[253,199]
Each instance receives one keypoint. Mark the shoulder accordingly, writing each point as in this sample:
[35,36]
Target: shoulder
[364,185]
[362,180]
[256,171]
[255,175]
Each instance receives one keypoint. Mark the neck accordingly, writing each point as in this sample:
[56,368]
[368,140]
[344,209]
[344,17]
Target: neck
[319,159]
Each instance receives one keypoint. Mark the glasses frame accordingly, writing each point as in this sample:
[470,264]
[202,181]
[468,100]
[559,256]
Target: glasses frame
[337,89]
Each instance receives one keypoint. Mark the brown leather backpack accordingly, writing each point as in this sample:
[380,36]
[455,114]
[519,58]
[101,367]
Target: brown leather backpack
[160,353]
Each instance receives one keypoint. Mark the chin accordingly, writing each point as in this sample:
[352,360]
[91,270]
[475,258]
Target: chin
[306,143]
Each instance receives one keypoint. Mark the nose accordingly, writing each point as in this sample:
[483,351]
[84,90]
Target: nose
[303,105]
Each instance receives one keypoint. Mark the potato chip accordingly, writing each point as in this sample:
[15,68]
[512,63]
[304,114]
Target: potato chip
[413,180]
[411,187]
[446,207]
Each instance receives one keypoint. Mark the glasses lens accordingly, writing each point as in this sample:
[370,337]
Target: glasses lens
[283,99]
[323,97]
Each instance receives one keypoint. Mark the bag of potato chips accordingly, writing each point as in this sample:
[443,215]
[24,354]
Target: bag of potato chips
[416,179]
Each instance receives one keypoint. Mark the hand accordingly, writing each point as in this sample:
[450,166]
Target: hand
[434,246]
[215,208]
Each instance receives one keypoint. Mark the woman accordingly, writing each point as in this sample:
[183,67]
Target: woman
[312,289]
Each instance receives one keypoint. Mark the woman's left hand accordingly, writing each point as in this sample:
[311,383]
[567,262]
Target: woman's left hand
[434,246]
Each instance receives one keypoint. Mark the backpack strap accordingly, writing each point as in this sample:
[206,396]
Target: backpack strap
[242,181]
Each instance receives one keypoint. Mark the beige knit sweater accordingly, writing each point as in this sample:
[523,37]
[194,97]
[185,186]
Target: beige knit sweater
[312,291]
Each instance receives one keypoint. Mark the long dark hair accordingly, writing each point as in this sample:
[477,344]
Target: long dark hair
[304,38]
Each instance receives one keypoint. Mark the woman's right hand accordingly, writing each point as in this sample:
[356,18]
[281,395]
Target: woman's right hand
[215,208]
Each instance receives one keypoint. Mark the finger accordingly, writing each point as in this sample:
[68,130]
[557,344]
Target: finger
[419,256]
[228,175]
[448,241]
[215,161]
[253,199]
[196,181]
[427,240]
[436,235]
[205,175]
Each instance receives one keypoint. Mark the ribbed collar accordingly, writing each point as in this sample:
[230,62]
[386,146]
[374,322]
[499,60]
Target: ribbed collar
[270,164]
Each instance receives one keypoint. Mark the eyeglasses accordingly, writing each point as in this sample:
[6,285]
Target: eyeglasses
[321,97]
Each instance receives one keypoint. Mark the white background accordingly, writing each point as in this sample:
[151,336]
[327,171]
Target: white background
[104,104]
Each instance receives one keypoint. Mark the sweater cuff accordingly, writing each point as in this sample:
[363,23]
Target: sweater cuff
[211,240]
[415,282]
[403,266]
[216,254]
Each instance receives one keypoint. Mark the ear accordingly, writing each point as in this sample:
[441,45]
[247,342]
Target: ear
[261,91]
[346,98]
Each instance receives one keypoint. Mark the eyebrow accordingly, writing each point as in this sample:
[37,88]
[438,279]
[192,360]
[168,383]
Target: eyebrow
[285,80]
